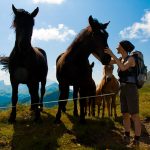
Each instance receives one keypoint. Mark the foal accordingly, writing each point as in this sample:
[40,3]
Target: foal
[108,84]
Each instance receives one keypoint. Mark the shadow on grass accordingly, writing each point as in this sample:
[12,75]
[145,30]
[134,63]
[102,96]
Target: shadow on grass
[145,135]
[42,135]
[97,134]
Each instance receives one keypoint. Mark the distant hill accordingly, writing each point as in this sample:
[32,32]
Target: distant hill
[148,76]
[52,94]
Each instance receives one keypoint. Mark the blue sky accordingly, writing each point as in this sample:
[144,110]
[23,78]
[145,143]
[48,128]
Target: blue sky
[59,21]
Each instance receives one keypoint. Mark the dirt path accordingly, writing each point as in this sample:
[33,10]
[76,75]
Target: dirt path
[145,136]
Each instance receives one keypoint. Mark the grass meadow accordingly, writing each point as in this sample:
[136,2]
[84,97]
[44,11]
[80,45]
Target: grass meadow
[96,134]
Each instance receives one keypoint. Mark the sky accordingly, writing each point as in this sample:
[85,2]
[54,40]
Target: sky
[59,21]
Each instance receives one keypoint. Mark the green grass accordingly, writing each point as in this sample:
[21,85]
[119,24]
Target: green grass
[96,134]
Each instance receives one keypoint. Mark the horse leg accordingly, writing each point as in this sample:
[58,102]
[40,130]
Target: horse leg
[65,103]
[75,96]
[12,117]
[88,104]
[82,101]
[43,83]
[114,105]
[98,111]
[33,90]
[108,101]
[93,106]
[92,99]
[99,103]
[64,93]
[103,110]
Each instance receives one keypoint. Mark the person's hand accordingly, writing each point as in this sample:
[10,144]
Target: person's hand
[108,51]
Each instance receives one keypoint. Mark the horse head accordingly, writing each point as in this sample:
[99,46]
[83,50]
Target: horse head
[23,24]
[99,40]
[108,72]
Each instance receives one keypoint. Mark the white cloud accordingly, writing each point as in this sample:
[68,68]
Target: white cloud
[49,1]
[52,74]
[5,77]
[139,30]
[60,33]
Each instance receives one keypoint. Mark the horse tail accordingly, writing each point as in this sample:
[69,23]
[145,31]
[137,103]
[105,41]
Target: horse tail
[4,61]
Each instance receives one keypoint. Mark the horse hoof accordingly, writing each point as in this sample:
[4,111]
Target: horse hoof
[40,109]
[37,119]
[64,109]
[57,121]
[82,121]
[32,108]
[75,114]
[12,119]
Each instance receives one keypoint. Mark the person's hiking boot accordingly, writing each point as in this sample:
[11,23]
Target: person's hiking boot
[135,142]
[126,139]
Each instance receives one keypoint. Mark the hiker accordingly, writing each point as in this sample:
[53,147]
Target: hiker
[129,96]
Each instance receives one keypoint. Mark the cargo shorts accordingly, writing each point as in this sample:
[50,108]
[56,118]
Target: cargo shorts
[129,98]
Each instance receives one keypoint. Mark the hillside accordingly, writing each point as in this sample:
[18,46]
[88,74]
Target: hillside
[51,94]
[148,77]
[96,134]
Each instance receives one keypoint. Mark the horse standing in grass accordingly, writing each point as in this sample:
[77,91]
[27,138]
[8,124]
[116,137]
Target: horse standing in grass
[72,68]
[90,101]
[27,65]
[108,84]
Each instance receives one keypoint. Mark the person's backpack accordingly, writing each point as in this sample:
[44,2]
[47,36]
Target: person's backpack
[141,68]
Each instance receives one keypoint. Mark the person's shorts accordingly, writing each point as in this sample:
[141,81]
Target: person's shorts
[129,98]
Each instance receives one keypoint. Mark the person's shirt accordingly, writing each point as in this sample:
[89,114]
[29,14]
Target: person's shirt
[128,75]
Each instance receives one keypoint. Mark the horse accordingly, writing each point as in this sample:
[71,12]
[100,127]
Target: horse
[26,64]
[72,68]
[90,101]
[108,84]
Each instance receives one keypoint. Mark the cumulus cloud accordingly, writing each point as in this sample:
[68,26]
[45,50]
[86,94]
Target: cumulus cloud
[4,76]
[139,30]
[49,1]
[60,33]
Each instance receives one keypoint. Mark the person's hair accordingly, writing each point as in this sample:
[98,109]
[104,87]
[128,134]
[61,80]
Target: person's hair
[127,46]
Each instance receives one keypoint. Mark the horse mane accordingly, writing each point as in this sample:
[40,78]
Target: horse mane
[80,37]
[22,12]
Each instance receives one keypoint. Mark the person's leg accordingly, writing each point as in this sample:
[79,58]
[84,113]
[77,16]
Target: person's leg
[126,122]
[137,126]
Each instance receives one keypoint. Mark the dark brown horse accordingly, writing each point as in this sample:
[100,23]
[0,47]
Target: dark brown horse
[26,64]
[72,68]
[90,101]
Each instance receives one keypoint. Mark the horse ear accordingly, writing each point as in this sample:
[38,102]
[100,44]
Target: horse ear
[35,12]
[91,20]
[92,65]
[105,25]
[14,9]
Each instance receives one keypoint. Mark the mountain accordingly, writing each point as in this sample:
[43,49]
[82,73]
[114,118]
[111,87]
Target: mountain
[148,77]
[6,92]
[52,94]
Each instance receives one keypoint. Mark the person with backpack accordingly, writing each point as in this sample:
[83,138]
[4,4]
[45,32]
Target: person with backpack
[129,96]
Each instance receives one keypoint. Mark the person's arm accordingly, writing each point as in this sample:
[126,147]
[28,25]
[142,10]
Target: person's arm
[112,61]
[129,63]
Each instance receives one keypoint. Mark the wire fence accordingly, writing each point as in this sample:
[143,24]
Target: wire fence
[71,99]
